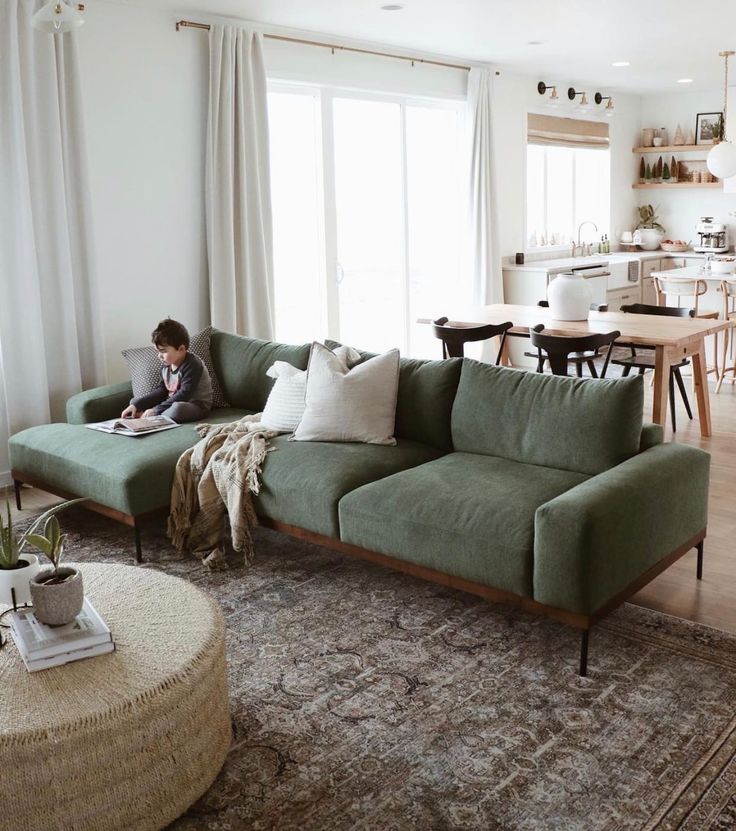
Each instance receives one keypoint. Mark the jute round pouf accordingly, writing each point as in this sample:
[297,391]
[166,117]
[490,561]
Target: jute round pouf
[127,740]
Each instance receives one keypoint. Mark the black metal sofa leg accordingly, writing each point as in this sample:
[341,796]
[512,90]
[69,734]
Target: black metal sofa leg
[137,533]
[699,571]
[584,653]
[17,486]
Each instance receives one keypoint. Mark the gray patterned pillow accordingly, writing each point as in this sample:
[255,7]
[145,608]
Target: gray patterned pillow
[145,367]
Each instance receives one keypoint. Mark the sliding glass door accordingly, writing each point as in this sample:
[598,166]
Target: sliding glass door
[368,216]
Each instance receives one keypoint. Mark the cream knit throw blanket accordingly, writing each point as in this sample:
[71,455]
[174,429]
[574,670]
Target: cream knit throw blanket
[214,480]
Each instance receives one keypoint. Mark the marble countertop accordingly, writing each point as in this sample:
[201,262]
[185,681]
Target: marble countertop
[561,263]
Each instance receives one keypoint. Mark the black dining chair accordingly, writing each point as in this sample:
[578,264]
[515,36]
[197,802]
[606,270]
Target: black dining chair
[575,358]
[454,336]
[557,348]
[642,357]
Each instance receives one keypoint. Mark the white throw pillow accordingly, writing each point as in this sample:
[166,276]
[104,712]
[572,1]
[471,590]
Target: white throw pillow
[285,405]
[344,404]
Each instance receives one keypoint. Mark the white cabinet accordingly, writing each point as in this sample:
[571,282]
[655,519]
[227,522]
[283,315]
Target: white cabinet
[648,266]
[668,263]
[648,292]
[622,297]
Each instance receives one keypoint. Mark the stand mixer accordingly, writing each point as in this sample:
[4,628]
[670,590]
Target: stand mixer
[713,236]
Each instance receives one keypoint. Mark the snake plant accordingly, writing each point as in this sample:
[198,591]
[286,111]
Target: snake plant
[51,542]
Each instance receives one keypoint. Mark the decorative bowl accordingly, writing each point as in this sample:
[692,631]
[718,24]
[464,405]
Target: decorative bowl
[674,247]
[722,265]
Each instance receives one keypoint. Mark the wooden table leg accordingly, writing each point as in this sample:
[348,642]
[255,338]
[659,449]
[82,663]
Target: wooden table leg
[700,375]
[661,386]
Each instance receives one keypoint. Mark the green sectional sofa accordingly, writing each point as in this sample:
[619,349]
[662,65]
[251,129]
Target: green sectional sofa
[536,490]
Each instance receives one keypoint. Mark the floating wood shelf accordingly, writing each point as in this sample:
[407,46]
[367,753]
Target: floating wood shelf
[671,148]
[674,185]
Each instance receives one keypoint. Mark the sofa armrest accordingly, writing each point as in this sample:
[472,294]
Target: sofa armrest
[99,404]
[651,436]
[593,541]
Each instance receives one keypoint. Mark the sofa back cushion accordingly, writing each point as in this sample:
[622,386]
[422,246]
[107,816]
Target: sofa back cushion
[426,392]
[241,365]
[586,426]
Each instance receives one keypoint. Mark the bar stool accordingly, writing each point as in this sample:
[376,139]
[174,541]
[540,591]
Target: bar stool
[454,336]
[681,289]
[728,287]
[646,361]
[576,358]
[557,349]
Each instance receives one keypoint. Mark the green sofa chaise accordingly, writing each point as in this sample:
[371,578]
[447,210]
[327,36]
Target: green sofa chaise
[540,491]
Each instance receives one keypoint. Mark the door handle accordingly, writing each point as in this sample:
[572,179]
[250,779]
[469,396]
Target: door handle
[339,274]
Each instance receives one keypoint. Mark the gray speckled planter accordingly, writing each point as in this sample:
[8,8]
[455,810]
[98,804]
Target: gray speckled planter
[59,603]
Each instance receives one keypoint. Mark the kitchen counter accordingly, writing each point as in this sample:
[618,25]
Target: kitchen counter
[563,263]
[691,272]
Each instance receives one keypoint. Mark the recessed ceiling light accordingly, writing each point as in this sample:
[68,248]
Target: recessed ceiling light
[620,63]
[535,42]
[684,80]
[391,7]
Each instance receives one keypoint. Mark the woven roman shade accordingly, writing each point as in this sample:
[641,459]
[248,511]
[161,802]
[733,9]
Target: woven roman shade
[566,132]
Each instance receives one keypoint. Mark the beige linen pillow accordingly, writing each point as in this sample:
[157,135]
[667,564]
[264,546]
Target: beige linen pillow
[286,402]
[344,404]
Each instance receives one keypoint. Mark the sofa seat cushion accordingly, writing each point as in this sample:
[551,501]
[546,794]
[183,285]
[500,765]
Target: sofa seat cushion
[465,515]
[303,482]
[132,475]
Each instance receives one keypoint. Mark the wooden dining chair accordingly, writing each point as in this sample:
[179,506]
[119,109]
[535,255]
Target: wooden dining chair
[455,335]
[557,348]
[728,288]
[642,357]
[575,358]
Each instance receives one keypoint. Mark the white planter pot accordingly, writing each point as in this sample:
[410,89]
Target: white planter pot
[569,297]
[648,238]
[18,579]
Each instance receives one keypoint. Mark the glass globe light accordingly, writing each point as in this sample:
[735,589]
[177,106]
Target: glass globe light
[721,160]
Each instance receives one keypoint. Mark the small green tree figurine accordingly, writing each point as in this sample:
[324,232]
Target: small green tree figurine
[666,173]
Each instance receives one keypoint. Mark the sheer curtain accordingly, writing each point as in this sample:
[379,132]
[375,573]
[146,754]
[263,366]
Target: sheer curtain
[50,344]
[237,187]
[485,263]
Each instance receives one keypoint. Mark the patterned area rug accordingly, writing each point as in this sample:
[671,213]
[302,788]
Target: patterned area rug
[366,699]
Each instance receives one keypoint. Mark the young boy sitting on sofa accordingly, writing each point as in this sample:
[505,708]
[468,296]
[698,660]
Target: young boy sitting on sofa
[185,391]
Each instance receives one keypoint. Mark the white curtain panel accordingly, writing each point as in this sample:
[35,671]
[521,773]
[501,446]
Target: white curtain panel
[50,343]
[486,265]
[238,191]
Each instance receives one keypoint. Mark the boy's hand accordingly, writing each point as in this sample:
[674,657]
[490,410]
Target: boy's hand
[149,413]
[130,412]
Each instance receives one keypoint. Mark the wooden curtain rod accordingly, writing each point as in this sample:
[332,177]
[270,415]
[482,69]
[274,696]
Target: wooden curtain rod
[189,24]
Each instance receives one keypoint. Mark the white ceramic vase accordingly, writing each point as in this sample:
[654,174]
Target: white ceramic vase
[18,579]
[648,238]
[569,297]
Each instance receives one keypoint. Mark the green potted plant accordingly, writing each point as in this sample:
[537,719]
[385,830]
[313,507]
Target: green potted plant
[649,231]
[17,566]
[57,592]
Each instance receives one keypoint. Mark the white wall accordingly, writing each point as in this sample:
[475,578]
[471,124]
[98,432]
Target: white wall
[514,97]
[679,209]
[145,100]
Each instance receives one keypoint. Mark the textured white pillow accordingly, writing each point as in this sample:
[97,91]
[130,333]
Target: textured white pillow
[285,406]
[344,404]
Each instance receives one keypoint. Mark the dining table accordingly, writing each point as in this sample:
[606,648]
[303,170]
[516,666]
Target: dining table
[671,338]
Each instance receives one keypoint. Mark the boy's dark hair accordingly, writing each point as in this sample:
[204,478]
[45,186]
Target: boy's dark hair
[170,333]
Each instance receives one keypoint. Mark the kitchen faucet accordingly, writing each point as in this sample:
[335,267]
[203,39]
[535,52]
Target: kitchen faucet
[579,244]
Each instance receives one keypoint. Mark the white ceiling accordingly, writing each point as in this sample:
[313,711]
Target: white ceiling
[663,39]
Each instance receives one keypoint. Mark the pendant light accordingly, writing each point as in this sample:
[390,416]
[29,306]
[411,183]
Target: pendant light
[721,160]
[57,17]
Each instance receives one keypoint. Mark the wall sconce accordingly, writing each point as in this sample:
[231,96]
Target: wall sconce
[572,94]
[542,89]
[599,99]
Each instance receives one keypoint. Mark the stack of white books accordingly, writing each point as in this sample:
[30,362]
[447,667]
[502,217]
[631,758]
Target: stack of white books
[43,646]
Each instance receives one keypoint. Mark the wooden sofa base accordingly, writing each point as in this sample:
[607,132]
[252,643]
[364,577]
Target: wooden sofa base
[578,621]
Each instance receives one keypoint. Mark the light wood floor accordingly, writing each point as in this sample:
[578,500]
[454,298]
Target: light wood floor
[711,600]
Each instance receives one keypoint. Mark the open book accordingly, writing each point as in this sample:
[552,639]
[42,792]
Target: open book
[134,426]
